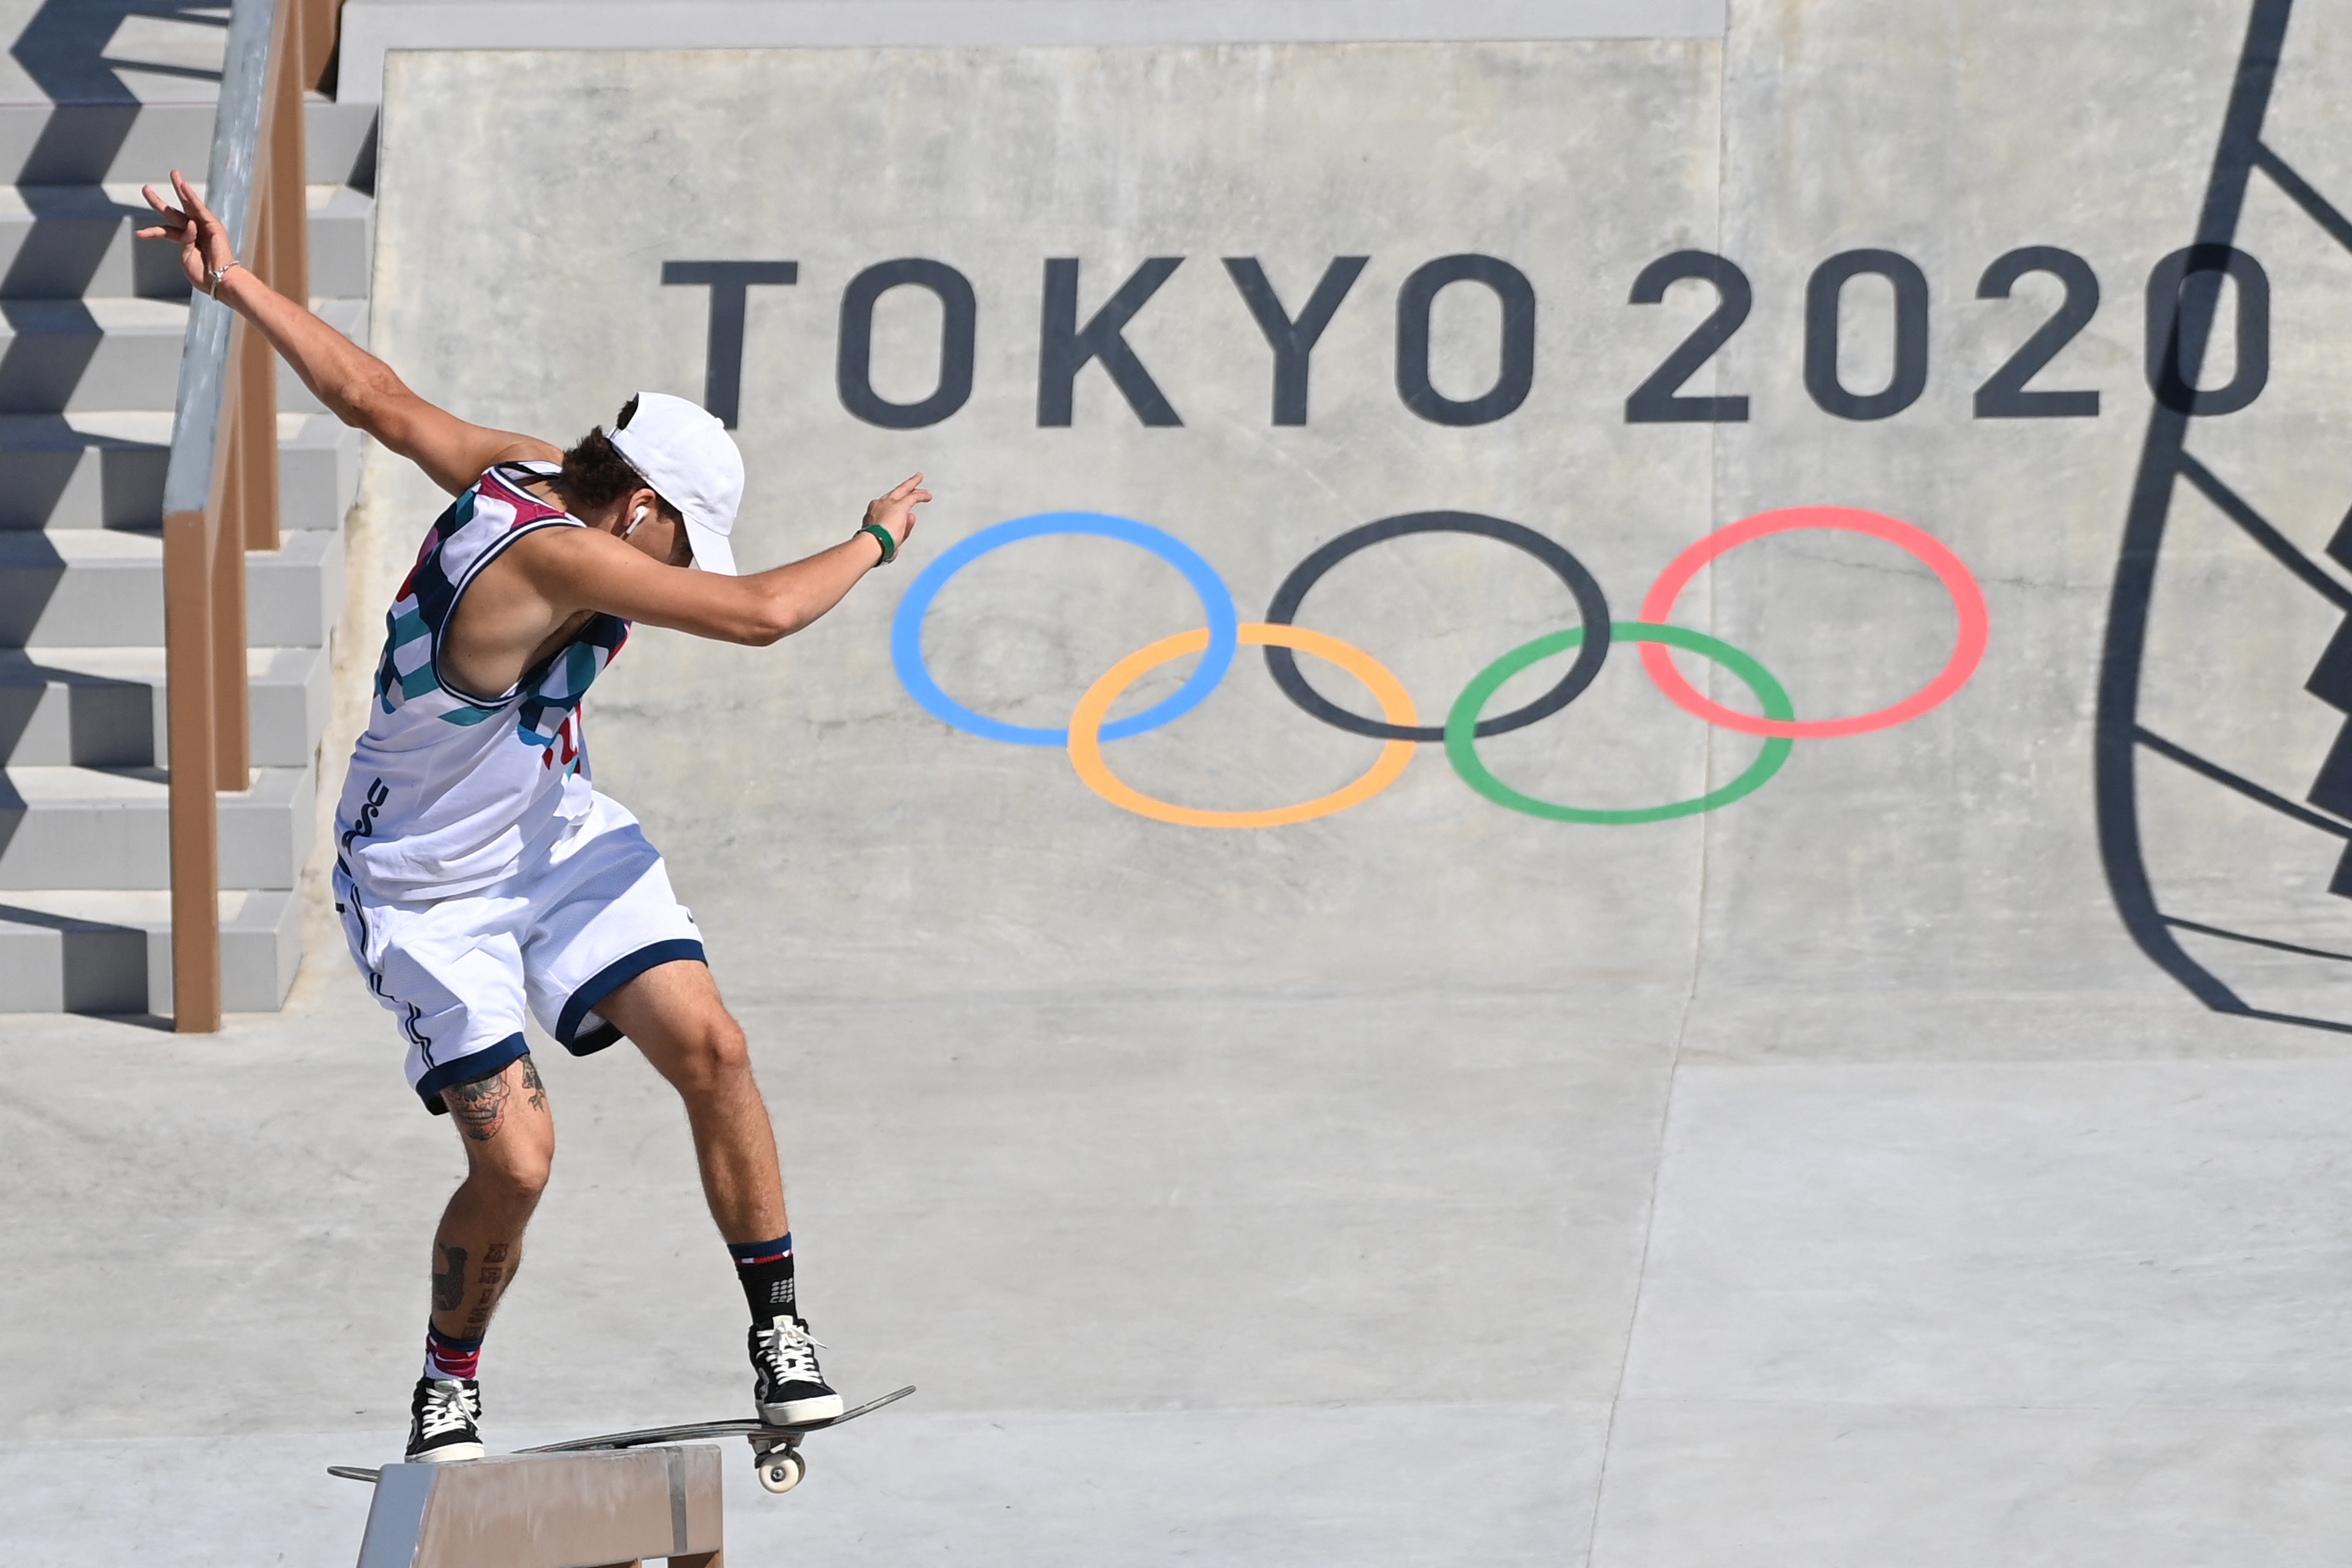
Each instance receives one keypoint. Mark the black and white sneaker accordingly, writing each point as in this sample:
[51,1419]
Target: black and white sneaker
[787,1386]
[444,1421]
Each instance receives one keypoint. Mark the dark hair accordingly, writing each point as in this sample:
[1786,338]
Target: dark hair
[596,474]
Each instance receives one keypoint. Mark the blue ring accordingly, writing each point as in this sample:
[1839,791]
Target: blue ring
[907,627]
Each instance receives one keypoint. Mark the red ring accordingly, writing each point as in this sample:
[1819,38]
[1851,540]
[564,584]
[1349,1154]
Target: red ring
[1966,598]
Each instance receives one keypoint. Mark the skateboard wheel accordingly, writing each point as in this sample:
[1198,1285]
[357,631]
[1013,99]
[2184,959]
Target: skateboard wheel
[781,1469]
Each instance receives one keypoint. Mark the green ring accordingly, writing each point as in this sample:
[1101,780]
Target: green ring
[1461,724]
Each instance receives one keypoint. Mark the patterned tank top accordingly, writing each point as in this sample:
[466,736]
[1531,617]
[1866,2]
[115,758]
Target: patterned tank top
[450,792]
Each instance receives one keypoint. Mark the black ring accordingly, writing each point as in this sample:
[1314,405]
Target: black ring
[1591,604]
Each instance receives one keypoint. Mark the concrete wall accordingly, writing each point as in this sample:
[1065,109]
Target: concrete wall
[1951,854]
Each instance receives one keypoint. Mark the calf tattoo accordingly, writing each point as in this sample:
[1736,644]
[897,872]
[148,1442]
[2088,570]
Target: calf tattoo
[449,1286]
[493,1275]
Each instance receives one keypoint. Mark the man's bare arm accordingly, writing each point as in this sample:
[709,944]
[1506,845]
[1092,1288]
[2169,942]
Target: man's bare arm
[584,569]
[359,388]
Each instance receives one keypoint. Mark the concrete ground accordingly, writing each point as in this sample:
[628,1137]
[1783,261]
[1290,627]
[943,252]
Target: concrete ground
[1826,1180]
[1443,1281]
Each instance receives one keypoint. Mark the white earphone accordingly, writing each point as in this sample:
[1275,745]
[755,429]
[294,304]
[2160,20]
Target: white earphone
[635,520]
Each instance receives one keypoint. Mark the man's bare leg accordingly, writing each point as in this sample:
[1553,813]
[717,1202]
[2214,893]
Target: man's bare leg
[509,1135]
[674,1014]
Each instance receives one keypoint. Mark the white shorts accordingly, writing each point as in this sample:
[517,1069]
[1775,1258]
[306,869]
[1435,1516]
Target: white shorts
[556,938]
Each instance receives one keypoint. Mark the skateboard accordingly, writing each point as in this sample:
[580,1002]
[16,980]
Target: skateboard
[776,1450]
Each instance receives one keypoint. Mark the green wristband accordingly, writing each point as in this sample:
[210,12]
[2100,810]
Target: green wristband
[889,546]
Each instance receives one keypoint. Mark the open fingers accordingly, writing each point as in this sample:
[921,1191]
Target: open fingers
[175,222]
[191,202]
[906,487]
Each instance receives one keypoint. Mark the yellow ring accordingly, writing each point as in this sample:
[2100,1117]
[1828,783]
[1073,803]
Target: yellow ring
[1086,727]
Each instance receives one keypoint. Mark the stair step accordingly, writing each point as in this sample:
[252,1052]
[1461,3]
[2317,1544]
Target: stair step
[103,587]
[108,828]
[110,952]
[86,143]
[75,242]
[120,354]
[104,707]
[106,470]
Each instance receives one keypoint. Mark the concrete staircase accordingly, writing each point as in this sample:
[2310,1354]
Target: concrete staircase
[88,371]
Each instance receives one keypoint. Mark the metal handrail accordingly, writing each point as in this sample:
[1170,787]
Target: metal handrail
[220,491]
[196,429]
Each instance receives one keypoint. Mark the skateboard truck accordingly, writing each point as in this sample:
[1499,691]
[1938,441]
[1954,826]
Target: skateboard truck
[777,1462]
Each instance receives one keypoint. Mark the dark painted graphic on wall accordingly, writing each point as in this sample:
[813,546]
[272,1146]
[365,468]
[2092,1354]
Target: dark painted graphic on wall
[1068,349]
[2186,296]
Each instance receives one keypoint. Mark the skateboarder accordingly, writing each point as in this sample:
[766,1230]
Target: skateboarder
[480,876]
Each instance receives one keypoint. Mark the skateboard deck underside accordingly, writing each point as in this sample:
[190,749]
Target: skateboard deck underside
[756,1431]
[714,1429]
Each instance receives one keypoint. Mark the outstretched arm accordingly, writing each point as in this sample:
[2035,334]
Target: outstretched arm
[359,388]
[573,568]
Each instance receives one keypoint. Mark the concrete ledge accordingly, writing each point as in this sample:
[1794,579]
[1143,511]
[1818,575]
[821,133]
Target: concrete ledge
[106,470]
[371,28]
[122,354]
[261,949]
[92,827]
[104,707]
[76,242]
[104,588]
[93,714]
[293,697]
[111,950]
[63,964]
[46,144]
[293,594]
[548,1510]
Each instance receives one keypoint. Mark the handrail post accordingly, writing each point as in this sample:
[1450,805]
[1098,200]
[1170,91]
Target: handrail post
[276,248]
[287,249]
[191,544]
[322,22]
[232,719]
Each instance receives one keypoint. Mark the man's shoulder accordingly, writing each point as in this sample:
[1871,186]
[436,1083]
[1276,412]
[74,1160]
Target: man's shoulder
[526,489]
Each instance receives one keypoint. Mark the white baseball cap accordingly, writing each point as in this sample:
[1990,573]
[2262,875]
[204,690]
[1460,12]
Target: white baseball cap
[691,462]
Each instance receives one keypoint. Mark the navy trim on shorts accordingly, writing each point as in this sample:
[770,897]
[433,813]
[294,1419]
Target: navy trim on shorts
[487,1062]
[609,979]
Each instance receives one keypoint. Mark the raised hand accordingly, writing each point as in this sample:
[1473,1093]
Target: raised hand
[895,512]
[204,239]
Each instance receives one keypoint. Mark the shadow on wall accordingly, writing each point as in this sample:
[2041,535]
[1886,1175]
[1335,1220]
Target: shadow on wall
[2192,295]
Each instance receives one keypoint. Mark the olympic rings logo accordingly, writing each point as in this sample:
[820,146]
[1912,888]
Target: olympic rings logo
[1400,727]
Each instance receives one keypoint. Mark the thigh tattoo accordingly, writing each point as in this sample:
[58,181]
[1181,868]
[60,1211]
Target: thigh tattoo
[479,1108]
